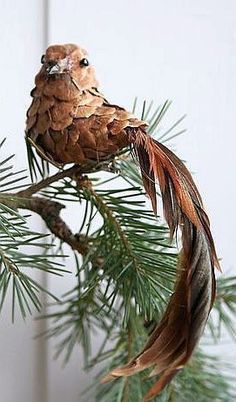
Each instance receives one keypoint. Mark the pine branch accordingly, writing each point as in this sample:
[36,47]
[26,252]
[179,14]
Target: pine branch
[13,235]
[224,308]
[50,213]
[124,278]
[35,188]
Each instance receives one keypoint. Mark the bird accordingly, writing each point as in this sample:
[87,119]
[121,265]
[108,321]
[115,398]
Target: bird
[71,121]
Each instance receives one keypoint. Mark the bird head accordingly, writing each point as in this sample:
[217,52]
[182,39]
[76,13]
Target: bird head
[68,61]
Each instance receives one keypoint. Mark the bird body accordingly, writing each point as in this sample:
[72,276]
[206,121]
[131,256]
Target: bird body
[73,123]
[70,121]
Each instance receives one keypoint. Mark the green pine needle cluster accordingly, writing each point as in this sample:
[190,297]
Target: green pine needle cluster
[122,281]
[21,249]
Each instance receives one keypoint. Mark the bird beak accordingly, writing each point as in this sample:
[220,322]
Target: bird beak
[57,67]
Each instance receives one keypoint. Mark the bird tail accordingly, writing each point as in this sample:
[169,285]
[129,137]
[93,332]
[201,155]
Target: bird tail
[172,342]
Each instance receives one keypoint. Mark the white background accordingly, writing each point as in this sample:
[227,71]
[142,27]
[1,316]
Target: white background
[176,49]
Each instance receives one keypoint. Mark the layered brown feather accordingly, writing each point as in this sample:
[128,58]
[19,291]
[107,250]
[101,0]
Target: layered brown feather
[173,340]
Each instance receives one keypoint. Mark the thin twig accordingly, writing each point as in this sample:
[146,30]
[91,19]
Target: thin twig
[35,188]
[126,392]
[70,172]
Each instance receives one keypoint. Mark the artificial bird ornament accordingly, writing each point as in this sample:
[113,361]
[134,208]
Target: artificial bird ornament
[70,121]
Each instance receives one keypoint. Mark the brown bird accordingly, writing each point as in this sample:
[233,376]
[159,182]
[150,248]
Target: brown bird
[70,121]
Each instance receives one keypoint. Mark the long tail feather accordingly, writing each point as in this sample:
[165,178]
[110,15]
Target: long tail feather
[173,340]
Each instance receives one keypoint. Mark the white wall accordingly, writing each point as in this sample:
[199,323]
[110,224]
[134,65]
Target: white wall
[176,49]
[21,26]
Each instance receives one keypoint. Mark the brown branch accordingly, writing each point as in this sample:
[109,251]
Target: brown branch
[50,210]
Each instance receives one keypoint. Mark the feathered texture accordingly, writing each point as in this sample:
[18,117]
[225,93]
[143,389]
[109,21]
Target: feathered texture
[70,121]
[173,340]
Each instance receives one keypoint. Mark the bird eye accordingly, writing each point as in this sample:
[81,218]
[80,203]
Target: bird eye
[84,63]
[43,59]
